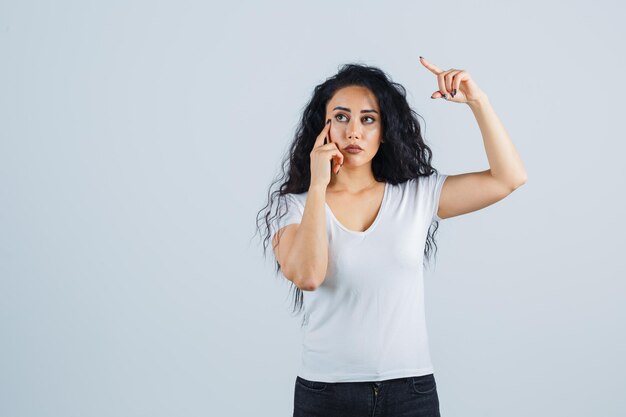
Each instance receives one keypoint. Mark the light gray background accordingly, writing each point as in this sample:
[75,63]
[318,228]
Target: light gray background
[138,142]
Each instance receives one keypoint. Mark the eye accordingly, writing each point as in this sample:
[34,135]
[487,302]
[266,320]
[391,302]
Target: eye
[364,118]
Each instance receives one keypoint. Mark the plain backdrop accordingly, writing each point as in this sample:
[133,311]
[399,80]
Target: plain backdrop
[138,141]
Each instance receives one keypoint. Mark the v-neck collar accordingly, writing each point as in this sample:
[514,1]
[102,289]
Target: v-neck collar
[374,223]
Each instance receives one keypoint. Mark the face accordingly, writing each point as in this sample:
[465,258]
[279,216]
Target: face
[355,119]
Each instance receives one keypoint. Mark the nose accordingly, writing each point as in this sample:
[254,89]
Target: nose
[354,131]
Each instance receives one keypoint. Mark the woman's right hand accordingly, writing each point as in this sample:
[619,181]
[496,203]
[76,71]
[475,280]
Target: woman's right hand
[321,155]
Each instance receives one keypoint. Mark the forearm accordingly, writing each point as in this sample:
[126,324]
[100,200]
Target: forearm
[504,161]
[307,260]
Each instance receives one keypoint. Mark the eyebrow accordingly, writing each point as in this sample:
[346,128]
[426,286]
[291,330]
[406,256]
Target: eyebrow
[362,111]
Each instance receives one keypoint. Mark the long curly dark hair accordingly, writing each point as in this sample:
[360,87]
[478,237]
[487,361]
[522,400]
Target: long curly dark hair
[403,156]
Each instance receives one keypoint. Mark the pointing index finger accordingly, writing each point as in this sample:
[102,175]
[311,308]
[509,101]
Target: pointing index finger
[431,67]
[321,139]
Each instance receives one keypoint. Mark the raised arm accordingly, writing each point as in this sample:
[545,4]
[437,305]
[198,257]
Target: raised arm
[472,191]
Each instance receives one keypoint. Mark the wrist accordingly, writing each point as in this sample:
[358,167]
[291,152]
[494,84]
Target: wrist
[481,101]
[321,188]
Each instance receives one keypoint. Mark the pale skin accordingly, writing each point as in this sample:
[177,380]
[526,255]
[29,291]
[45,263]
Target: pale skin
[471,191]
[354,195]
[460,194]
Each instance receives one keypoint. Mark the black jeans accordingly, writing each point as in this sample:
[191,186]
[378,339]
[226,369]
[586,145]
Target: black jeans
[414,396]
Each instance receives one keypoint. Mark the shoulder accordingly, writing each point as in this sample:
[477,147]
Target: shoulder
[432,181]
[298,199]
[410,185]
[291,202]
[420,186]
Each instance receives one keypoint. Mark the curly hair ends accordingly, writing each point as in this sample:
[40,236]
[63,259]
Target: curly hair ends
[403,156]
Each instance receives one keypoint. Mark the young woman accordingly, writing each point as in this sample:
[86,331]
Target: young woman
[361,198]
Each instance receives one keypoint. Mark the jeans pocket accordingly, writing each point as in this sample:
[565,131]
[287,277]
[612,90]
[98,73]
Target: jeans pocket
[424,384]
[311,385]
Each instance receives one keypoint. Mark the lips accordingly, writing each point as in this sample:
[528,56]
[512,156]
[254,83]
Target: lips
[355,147]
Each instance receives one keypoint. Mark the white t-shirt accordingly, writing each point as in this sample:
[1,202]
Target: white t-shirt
[366,321]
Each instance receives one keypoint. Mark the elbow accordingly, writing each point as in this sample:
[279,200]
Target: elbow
[306,284]
[524,179]
[519,183]
[310,282]
[304,281]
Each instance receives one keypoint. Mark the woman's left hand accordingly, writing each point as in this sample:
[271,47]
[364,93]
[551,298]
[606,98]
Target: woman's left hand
[467,91]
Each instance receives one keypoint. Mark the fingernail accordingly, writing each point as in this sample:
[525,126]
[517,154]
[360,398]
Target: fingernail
[454,93]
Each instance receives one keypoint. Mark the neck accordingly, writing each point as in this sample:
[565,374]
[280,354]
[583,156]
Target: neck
[352,180]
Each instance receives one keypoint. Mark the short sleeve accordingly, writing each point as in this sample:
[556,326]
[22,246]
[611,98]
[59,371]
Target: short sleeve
[291,211]
[435,182]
